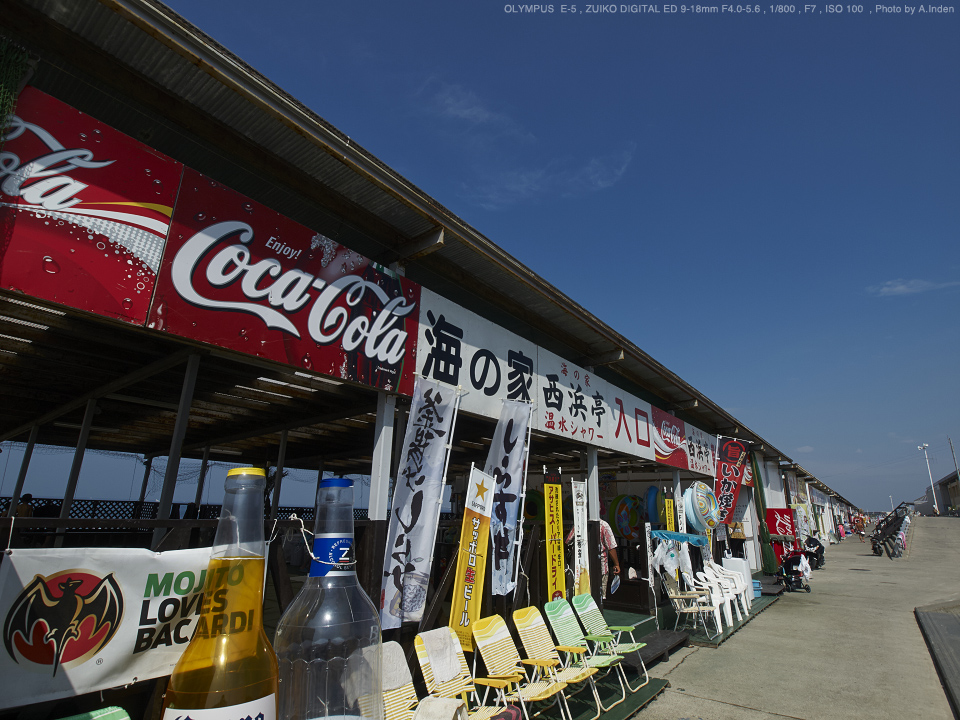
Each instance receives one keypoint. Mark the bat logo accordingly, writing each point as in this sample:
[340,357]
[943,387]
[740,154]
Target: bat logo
[62,618]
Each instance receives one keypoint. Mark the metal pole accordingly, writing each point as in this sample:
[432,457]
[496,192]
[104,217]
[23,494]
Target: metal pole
[278,475]
[954,459]
[24,464]
[78,458]
[936,505]
[147,466]
[176,444]
[203,478]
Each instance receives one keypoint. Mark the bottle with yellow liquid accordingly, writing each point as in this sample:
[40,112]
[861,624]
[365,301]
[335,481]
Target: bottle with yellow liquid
[229,669]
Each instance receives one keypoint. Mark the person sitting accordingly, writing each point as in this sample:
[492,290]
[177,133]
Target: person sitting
[24,508]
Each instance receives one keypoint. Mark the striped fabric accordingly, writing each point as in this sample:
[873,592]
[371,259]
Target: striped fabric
[502,659]
[593,622]
[459,686]
[538,645]
[398,703]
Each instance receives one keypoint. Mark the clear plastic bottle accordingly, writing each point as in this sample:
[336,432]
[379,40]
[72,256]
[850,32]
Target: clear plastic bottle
[229,669]
[328,640]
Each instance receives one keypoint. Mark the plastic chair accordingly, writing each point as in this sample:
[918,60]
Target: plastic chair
[698,604]
[503,661]
[463,683]
[538,645]
[602,634]
[573,643]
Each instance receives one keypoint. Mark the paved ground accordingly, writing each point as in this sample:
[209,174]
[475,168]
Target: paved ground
[849,649]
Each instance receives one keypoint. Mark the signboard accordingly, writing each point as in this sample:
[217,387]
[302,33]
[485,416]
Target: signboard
[77,620]
[581,564]
[241,276]
[780,522]
[732,463]
[415,513]
[472,557]
[84,210]
[505,463]
[556,570]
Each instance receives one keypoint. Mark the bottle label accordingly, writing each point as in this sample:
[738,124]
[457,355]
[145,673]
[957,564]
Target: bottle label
[333,555]
[263,709]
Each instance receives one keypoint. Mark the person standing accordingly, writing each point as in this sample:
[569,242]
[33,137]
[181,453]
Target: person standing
[608,544]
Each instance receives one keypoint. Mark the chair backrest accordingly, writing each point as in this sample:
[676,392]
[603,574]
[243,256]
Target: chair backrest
[497,648]
[450,688]
[590,615]
[564,623]
[534,634]
[397,700]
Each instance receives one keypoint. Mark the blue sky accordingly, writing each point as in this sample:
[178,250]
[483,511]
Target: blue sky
[684,176]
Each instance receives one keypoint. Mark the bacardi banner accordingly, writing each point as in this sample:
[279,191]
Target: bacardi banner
[732,464]
[79,620]
[239,275]
[472,557]
[84,210]
[415,512]
[553,534]
[505,463]
[581,562]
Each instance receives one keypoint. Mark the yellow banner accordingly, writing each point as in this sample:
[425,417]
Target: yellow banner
[668,504]
[556,580]
[472,557]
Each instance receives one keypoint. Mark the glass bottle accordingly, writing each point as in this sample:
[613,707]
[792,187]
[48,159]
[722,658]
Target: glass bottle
[229,669]
[328,640]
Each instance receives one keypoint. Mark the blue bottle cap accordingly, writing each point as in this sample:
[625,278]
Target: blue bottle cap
[336,482]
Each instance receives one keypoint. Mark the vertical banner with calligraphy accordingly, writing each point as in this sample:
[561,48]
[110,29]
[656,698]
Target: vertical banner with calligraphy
[780,522]
[581,562]
[671,519]
[505,463]
[732,464]
[472,557]
[556,580]
[415,512]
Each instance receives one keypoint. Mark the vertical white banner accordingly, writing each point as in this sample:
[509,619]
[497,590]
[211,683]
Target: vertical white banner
[505,466]
[415,512]
[581,563]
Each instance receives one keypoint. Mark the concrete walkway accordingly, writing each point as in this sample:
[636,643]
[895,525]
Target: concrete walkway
[849,649]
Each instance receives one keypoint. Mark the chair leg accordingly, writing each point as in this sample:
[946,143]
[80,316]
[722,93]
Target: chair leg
[623,694]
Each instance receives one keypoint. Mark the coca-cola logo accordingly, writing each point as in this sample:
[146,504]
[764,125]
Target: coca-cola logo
[44,181]
[782,525]
[210,260]
[671,434]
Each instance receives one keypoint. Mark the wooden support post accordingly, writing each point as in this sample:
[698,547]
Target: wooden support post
[278,475]
[77,460]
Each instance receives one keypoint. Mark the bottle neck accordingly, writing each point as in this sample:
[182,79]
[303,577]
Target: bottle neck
[333,541]
[240,530]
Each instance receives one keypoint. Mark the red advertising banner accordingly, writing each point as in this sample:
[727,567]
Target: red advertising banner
[241,276]
[780,522]
[668,438]
[733,463]
[84,210]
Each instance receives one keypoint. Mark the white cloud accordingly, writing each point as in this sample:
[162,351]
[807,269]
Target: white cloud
[908,287]
[804,449]
[559,178]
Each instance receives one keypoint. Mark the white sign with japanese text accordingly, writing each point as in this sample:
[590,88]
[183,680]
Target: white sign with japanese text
[417,496]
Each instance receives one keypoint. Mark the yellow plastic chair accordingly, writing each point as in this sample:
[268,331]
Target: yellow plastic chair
[500,655]
[463,684]
[538,644]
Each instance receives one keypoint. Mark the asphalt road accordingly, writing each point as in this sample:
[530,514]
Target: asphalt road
[849,649]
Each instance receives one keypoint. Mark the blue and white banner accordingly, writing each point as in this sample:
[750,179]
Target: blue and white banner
[505,463]
[417,496]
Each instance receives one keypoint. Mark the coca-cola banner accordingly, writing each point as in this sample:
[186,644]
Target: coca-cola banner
[84,210]
[239,275]
[682,445]
[780,522]
[733,462]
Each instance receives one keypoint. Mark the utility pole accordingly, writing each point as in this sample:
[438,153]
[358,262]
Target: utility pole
[936,506]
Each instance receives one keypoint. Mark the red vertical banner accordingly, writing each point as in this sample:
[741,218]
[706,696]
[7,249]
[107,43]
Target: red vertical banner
[84,210]
[732,465]
[780,522]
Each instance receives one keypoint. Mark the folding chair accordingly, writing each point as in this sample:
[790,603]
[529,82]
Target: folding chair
[500,655]
[457,681]
[573,643]
[399,696]
[697,604]
[538,645]
[602,634]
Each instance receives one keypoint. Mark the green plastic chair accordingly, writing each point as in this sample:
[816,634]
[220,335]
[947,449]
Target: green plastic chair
[602,635]
[574,646]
